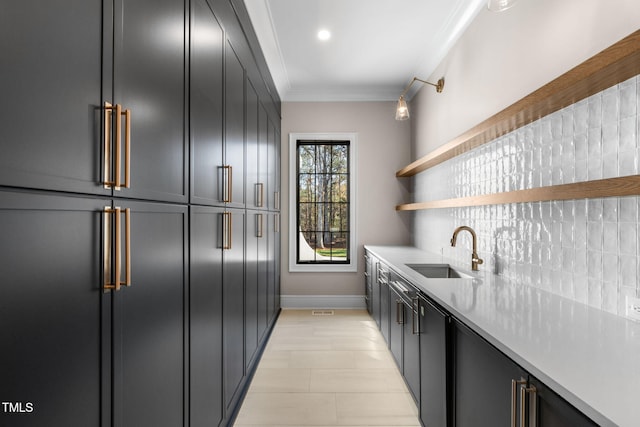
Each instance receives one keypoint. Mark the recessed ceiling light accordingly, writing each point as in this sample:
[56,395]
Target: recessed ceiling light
[324,35]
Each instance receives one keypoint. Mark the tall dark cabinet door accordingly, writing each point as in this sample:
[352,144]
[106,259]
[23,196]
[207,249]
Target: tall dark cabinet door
[234,128]
[149,81]
[263,156]
[434,378]
[273,277]
[233,302]
[207,102]
[255,188]
[483,381]
[50,80]
[150,318]
[274,166]
[205,317]
[53,312]
[263,276]
[255,231]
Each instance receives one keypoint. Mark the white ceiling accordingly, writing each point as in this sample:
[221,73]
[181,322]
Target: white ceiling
[376,46]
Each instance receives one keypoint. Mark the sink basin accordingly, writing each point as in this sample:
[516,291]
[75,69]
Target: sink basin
[439,271]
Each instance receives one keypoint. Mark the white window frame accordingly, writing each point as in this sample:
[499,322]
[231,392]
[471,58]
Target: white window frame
[352,266]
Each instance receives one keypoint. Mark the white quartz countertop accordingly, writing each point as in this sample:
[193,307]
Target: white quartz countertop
[589,357]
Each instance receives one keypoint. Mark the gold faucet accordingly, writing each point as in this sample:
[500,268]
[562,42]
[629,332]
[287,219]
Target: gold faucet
[475,260]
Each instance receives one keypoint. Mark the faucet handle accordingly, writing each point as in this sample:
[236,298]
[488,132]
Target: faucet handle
[475,261]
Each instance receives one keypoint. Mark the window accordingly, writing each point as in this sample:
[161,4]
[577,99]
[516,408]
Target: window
[322,191]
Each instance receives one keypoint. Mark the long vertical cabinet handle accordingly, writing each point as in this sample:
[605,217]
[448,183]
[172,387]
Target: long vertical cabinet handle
[259,225]
[227,184]
[107,181]
[532,409]
[117,283]
[276,196]
[127,148]
[399,312]
[415,320]
[127,243]
[107,235]
[259,195]
[115,182]
[226,230]
[276,223]
[514,400]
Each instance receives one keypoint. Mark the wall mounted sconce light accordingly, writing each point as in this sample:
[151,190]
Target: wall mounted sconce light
[402,111]
[500,5]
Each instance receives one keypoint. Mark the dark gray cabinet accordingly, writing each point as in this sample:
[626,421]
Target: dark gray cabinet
[385,298]
[483,381]
[56,320]
[150,317]
[126,53]
[273,169]
[149,80]
[233,223]
[254,235]
[206,105]
[205,316]
[434,369]
[51,83]
[478,364]
[122,210]
[404,338]
[411,345]
[273,267]
[264,266]
[256,190]
[81,353]
[549,409]
[368,286]
[396,326]
[234,147]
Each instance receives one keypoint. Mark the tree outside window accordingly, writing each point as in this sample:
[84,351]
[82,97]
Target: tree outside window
[323,202]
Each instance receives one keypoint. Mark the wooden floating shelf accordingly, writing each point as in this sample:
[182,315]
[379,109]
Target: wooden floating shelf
[611,187]
[608,68]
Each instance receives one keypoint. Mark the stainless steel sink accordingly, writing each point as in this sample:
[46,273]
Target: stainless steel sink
[439,271]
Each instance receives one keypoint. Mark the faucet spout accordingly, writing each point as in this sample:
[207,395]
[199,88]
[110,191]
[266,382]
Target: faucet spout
[475,259]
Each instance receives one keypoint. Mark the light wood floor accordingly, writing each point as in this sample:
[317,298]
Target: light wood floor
[327,370]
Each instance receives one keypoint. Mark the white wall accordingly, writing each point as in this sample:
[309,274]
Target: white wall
[383,148]
[504,56]
[588,251]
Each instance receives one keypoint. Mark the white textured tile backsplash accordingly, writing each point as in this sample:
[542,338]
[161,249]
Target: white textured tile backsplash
[587,250]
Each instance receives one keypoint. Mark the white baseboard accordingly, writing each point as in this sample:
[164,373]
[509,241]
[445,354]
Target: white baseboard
[323,301]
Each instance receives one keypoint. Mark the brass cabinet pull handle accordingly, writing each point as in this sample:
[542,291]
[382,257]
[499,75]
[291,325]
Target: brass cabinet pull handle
[259,225]
[118,249]
[514,401]
[108,286]
[399,312]
[227,177]
[117,283]
[127,243]
[108,110]
[532,410]
[127,148]
[116,181]
[415,320]
[259,195]
[226,233]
